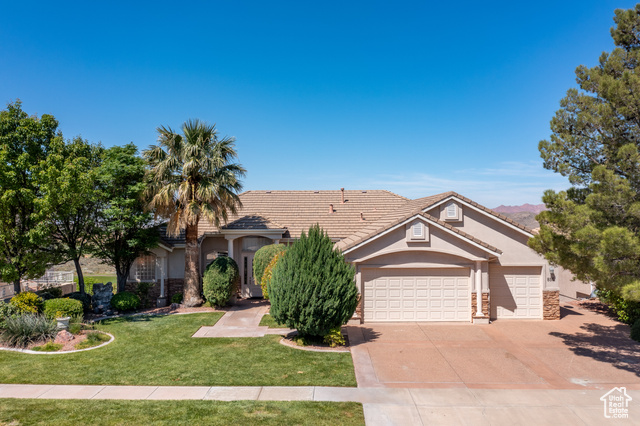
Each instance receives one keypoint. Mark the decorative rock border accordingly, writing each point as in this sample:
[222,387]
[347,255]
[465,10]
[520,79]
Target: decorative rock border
[288,343]
[28,351]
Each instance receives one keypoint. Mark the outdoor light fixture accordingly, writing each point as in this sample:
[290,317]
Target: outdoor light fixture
[552,271]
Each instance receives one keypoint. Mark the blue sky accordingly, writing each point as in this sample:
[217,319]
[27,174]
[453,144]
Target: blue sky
[413,97]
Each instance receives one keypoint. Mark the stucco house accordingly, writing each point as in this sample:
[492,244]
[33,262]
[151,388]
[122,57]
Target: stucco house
[426,259]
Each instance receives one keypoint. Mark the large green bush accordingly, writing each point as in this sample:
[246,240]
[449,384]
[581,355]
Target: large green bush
[263,257]
[220,280]
[125,301]
[27,303]
[50,293]
[627,311]
[268,274]
[635,331]
[85,299]
[312,288]
[56,308]
[27,328]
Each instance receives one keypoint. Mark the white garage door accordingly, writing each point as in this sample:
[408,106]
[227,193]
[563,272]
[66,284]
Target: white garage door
[417,295]
[516,292]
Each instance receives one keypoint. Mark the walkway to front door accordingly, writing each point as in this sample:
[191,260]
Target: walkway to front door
[242,320]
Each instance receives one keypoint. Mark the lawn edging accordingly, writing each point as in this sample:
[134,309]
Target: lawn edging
[28,351]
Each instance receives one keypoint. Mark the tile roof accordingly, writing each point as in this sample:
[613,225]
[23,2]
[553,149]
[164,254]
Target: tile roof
[299,210]
[253,221]
[169,240]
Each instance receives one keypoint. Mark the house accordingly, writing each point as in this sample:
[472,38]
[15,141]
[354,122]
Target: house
[426,259]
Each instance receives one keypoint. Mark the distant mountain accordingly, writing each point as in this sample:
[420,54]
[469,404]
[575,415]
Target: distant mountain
[519,209]
[524,214]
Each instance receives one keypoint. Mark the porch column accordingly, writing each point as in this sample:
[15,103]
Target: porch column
[478,281]
[163,265]
[276,241]
[230,247]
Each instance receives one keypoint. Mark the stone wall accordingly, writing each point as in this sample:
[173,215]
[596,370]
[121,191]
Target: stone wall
[551,304]
[485,305]
[172,286]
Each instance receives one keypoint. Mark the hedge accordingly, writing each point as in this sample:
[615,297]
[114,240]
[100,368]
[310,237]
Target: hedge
[220,281]
[55,308]
[263,257]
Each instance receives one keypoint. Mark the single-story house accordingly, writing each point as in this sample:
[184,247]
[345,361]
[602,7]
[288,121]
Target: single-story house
[438,258]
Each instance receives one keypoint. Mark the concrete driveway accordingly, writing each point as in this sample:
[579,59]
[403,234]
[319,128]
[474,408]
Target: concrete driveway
[584,350]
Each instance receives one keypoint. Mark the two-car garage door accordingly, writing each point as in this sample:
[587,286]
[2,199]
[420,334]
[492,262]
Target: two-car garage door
[417,295]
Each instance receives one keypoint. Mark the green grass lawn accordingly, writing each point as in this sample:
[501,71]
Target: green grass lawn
[93,412]
[268,321]
[159,350]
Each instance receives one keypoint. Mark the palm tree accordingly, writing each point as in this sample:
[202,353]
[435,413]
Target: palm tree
[190,176]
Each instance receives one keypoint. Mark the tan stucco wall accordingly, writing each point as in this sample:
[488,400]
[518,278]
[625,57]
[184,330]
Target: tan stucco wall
[175,263]
[209,245]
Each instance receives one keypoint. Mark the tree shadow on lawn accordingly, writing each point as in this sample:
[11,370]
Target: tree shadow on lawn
[604,343]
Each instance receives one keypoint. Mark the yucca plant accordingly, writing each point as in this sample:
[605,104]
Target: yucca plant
[22,330]
[191,176]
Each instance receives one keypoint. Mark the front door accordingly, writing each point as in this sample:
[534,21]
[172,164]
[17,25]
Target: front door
[249,287]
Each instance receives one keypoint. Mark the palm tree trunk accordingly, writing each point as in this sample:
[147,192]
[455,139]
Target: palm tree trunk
[191,268]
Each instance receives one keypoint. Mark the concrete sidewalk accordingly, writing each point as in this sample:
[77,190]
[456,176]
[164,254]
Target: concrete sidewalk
[242,320]
[382,406]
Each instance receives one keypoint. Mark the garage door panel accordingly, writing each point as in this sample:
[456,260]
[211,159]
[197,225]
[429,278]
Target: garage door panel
[423,295]
[516,292]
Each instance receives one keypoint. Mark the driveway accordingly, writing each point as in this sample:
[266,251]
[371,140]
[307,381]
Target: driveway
[584,350]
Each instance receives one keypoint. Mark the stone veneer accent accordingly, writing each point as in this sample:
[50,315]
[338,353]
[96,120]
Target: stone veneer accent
[171,287]
[551,304]
[485,305]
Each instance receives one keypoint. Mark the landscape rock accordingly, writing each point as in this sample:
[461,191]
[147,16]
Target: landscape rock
[63,337]
[101,299]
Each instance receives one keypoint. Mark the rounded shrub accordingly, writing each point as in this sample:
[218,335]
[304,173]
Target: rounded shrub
[263,257]
[50,293]
[177,298]
[85,299]
[268,273]
[312,288]
[220,280]
[125,301]
[27,303]
[57,308]
[635,331]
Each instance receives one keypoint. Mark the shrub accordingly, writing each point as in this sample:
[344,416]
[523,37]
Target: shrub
[50,293]
[268,273]
[177,298]
[142,290]
[7,310]
[24,329]
[49,347]
[335,338]
[27,303]
[627,311]
[85,299]
[57,308]
[263,257]
[312,288]
[76,324]
[125,301]
[635,331]
[220,280]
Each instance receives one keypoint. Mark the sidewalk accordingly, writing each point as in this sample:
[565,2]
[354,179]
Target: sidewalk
[382,406]
[242,320]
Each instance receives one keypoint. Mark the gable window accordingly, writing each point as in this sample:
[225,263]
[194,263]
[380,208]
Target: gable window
[452,211]
[144,268]
[417,231]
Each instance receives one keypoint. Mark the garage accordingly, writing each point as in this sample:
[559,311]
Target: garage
[516,292]
[416,295]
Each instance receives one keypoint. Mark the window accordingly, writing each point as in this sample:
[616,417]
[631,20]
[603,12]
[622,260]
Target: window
[416,230]
[144,269]
[452,211]
[254,243]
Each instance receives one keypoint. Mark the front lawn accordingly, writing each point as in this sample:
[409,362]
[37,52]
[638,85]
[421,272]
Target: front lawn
[93,412]
[159,350]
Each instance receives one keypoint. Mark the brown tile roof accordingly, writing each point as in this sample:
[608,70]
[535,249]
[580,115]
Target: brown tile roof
[299,210]
[254,221]
[410,209]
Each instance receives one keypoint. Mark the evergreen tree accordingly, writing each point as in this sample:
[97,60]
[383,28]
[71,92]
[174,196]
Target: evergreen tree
[592,229]
[312,288]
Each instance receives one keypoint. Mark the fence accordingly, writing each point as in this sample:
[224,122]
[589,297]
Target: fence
[49,279]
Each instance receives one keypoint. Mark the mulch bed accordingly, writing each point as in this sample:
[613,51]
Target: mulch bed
[288,340]
[68,346]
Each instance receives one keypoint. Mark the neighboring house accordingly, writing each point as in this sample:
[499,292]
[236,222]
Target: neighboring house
[415,260]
